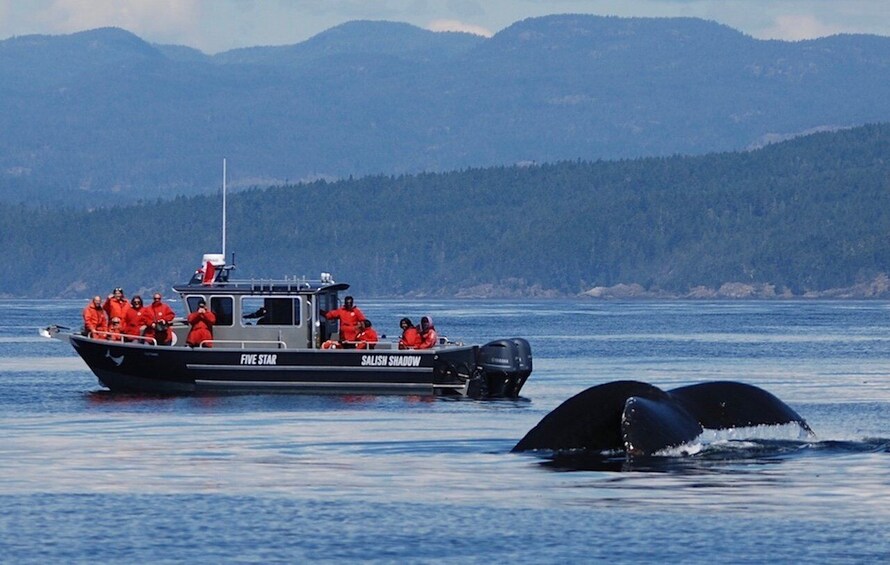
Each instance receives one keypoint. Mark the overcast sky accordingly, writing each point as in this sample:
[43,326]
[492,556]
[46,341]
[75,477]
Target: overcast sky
[218,25]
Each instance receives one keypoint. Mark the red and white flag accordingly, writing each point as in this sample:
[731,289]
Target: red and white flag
[209,271]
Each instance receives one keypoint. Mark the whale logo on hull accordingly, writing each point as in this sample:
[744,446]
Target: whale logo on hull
[117,360]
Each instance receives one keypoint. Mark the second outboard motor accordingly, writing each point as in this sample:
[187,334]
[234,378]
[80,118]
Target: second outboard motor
[505,365]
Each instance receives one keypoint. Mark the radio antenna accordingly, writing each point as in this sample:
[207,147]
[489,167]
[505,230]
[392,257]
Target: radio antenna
[224,209]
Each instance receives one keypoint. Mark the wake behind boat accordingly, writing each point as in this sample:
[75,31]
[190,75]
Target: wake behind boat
[285,349]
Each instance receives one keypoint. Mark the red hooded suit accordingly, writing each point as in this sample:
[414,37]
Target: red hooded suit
[202,328]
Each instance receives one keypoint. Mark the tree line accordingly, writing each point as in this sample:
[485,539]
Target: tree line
[808,214]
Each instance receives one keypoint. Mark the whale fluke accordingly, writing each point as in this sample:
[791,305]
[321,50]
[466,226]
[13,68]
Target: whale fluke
[641,419]
[589,420]
[721,405]
[649,425]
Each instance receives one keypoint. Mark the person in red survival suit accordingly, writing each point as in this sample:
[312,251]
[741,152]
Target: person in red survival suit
[95,322]
[114,330]
[162,317]
[202,326]
[428,336]
[367,336]
[138,318]
[349,316]
[410,336]
[116,304]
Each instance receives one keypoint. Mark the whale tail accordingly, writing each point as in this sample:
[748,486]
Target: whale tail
[641,419]
[722,405]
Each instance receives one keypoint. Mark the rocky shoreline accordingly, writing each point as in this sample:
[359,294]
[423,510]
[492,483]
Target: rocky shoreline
[877,288]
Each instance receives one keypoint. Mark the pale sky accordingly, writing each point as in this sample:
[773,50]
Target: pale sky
[219,25]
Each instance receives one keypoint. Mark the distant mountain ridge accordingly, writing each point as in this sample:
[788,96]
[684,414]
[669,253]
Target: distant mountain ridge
[360,37]
[103,116]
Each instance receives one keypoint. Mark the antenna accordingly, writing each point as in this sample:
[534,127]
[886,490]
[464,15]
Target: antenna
[224,210]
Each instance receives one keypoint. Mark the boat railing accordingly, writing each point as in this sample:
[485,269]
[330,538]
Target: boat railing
[242,344]
[365,344]
[276,286]
[114,336]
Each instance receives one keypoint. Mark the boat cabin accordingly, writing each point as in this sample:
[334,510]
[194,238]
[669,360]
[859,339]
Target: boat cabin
[262,313]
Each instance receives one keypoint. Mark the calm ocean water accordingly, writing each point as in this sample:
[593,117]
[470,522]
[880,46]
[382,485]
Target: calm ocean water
[86,476]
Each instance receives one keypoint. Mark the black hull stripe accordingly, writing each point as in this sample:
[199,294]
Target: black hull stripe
[313,368]
[309,384]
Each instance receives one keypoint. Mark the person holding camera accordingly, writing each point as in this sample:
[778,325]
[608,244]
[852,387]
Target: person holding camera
[161,318]
[201,322]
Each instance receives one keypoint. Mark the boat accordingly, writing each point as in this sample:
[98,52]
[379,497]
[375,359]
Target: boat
[285,351]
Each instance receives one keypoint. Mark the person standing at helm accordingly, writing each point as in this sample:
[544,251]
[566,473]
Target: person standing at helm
[349,316]
[95,323]
[116,305]
[428,336]
[202,321]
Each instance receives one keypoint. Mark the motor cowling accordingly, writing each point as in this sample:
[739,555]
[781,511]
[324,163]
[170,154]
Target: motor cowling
[505,364]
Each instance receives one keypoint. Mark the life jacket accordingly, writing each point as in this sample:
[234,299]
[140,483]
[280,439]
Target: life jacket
[348,320]
[410,338]
[366,339]
[428,338]
[136,318]
[202,328]
[116,308]
[94,322]
[114,333]
[160,312]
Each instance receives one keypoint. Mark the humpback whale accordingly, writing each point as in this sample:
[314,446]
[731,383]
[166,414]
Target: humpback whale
[642,419]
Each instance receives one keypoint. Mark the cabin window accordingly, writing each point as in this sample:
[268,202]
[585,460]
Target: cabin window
[270,311]
[192,302]
[328,301]
[219,305]
[253,311]
[222,307]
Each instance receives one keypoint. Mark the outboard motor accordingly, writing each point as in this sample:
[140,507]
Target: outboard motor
[505,365]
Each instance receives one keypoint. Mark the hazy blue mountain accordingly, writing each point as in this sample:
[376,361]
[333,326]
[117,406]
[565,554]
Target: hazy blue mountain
[43,65]
[182,53]
[400,40]
[102,116]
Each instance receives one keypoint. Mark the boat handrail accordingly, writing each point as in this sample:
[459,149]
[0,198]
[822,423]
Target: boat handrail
[243,343]
[275,286]
[119,337]
[360,344]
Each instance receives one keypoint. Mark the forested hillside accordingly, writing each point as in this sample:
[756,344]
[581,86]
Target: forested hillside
[806,215]
[101,116]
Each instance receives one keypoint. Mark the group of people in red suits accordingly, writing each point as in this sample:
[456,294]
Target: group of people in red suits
[356,330]
[118,319]
[424,337]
